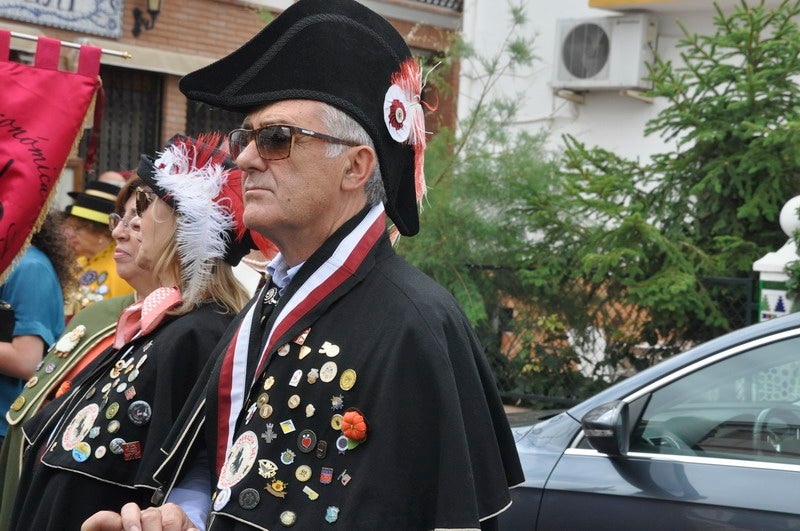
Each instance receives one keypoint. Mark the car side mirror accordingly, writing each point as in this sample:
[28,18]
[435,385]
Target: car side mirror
[606,428]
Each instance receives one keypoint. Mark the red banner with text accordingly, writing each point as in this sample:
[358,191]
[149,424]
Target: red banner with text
[42,111]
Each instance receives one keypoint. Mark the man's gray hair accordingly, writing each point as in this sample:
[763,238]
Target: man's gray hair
[341,125]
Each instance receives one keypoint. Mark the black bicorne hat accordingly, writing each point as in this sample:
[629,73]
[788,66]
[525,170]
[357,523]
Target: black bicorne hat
[343,54]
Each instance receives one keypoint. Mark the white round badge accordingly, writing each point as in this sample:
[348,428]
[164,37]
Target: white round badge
[79,427]
[240,459]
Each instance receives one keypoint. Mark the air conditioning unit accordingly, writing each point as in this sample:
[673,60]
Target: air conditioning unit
[605,53]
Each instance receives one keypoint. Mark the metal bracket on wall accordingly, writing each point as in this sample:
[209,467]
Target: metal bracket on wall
[636,94]
[574,97]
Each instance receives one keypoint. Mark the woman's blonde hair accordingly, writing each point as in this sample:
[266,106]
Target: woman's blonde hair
[221,288]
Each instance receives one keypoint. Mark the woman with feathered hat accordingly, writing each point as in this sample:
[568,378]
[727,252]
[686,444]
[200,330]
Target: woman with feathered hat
[97,446]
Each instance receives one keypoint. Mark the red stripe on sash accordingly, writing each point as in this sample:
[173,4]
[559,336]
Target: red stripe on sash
[224,402]
[319,293]
[348,267]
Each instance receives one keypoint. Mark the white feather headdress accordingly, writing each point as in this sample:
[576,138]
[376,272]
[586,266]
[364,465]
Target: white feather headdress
[191,175]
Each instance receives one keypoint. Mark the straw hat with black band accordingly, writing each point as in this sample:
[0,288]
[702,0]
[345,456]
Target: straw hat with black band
[95,203]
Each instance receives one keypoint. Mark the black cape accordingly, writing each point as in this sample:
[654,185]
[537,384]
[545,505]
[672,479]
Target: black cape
[438,453]
[66,485]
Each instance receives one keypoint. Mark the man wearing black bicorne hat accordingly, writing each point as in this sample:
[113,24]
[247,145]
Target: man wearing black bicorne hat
[352,391]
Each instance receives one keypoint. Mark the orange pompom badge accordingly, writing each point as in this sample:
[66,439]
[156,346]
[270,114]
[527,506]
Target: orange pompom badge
[354,426]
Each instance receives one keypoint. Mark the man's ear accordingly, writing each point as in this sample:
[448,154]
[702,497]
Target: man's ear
[361,161]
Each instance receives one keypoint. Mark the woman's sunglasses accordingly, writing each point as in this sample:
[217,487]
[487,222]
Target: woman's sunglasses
[144,198]
[274,142]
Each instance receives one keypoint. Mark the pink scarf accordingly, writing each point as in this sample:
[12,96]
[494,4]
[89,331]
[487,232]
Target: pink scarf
[144,316]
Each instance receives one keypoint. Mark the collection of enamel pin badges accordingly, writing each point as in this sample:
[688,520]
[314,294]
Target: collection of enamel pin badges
[117,405]
[61,350]
[243,454]
[118,393]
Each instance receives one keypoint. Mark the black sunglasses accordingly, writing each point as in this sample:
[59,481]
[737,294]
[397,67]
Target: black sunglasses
[143,200]
[274,142]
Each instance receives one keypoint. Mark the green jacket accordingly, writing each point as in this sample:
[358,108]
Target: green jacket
[99,320]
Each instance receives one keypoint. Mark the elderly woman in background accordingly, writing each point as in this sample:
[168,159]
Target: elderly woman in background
[86,230]
[88,334]
[97,446]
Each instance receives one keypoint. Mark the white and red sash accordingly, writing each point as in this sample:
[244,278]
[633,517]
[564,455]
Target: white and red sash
[342,264]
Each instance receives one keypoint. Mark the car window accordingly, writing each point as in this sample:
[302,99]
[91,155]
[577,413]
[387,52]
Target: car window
[744,407]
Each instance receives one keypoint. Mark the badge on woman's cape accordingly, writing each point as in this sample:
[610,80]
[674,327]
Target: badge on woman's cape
[79,427]
[68,341]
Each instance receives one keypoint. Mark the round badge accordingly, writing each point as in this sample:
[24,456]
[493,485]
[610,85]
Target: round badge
[116,445]
[294,401]
[328,371]
[121,387]
[288,518]
[263,399]
[303,473]
[18,403]
[249,498]
[79,426]
[90,393]
[113,426]
[94,432]
[106,388]
[284,350]
[133,375]
[140,412]
[310,410]
[112,410]
[240,459]
[223,495]
[336,422]
[100,452]
[341,444]
[265,411]
[81,452]
[33,381]
[347,380]
[306,441]
[50,367]
[268,383]
[114,372]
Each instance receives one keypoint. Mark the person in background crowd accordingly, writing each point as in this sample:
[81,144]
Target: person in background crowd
[35,290]
[86,229]
[251,269]
[97,446]
[353,390]
[88,334]
[113,177]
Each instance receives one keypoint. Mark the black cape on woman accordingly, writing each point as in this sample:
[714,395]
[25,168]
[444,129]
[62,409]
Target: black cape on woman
[109,429]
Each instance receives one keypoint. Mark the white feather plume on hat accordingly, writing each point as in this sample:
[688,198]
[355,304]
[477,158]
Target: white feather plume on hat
[204,224]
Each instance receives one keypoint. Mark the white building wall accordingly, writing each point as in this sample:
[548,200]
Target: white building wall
[606,118]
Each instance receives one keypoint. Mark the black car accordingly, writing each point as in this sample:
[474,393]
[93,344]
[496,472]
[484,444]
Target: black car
[708,439]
